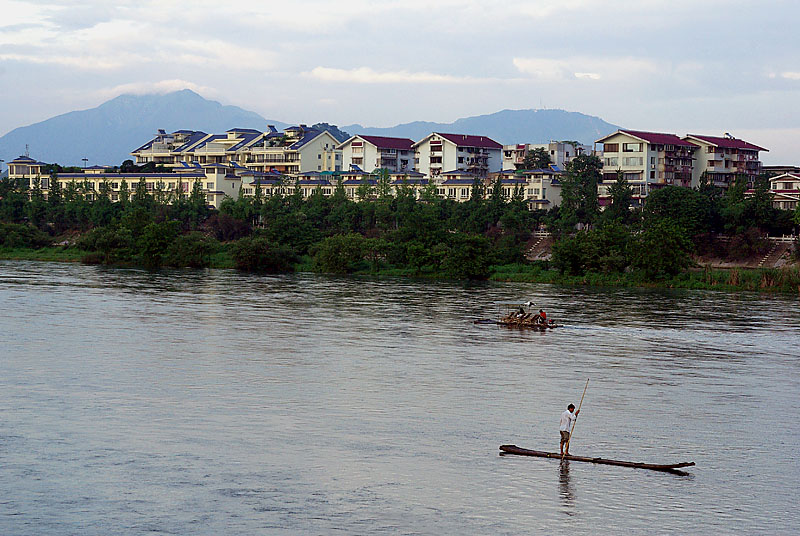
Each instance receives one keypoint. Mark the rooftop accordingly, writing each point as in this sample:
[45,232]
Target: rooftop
[727,142]
[659,138]
[385,142]
[467,140]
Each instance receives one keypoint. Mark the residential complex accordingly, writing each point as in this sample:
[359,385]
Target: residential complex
[449,165]
[652,160]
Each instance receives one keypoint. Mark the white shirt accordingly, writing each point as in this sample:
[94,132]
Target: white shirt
[567,419]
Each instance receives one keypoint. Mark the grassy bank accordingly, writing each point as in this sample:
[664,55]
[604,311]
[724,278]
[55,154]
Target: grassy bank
[784,280]
[51,253]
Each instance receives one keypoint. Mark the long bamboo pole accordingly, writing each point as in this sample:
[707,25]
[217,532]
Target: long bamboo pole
[566,448]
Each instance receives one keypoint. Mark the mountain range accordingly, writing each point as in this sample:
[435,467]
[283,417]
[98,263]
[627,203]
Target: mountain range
[506,127]
[106,134]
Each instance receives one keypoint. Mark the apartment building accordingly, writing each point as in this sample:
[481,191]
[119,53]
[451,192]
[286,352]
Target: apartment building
[540,188]
[167,149]
[438,153]
[722,159]
[216,180]
[297,149]
[785,190]
[371,152]
[647,160]
[561,153]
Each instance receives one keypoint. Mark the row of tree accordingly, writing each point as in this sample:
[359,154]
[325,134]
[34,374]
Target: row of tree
[396,229]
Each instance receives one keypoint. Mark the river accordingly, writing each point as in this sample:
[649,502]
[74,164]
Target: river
[216,402]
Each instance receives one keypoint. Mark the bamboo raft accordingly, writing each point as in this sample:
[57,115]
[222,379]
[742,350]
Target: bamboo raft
[520,316]
[512,323]
[669,468]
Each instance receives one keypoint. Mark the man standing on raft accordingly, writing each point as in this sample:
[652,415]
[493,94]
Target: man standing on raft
[567,421]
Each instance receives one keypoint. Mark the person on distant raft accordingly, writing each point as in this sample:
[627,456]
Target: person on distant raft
[541,318]
[567,421]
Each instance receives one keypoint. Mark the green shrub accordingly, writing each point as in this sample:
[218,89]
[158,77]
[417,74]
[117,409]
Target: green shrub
[339,253]
[154,241]
[662,250]
[192,249]
[114,244]
[257,254]
[16,235]
[467,257]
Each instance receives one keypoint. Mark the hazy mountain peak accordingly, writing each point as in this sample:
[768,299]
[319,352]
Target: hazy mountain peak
[107,133]
[506,126]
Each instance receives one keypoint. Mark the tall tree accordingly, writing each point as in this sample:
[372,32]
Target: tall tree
[538,158]
[579,191]
[621,195]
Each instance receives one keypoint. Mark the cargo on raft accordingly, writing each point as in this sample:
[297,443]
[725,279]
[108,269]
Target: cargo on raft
[521,316]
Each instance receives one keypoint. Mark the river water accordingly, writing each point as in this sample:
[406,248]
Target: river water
[214,402]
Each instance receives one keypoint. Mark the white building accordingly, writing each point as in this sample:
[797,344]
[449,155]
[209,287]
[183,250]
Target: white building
[560,153]
[723,159]
[168,149]
[785,190]
[295,150]
[438,153]
[370,152]
[647,160]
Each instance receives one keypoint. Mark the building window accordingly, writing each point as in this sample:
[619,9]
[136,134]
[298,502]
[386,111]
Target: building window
[631,147]
[611,147]
[209,185]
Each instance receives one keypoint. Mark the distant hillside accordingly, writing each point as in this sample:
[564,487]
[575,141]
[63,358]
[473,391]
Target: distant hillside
[506,127]
[106,134]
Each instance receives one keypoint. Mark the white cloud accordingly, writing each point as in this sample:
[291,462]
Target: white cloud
[366,75]
[78,62]
[162,86]
[585,68]
[791,75]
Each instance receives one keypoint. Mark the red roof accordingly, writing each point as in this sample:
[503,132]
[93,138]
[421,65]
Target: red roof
[383,142]
[465,140]
[727,143]
[659,138]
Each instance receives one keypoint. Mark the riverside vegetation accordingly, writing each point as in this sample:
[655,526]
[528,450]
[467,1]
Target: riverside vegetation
[395,233]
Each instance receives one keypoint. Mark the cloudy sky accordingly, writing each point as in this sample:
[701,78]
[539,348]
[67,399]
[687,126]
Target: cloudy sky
[701,66]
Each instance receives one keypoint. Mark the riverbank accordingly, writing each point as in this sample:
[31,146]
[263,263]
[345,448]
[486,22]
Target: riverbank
[779,280]
[783,280]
